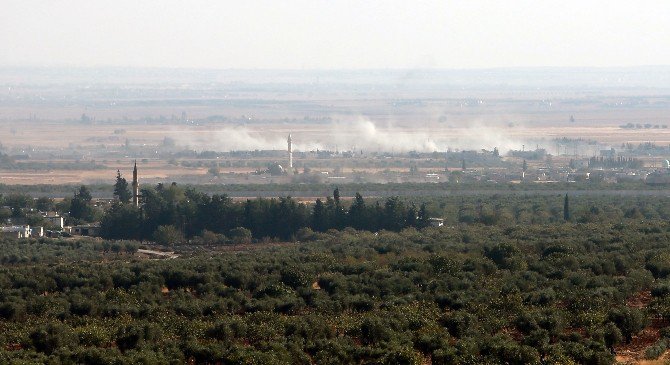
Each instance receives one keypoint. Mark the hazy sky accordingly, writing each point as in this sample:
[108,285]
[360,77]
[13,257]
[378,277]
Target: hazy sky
[321,34]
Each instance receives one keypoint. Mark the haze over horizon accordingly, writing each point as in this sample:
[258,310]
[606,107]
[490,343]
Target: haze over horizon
[306,34]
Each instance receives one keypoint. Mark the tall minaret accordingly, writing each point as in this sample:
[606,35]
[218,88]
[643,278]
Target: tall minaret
[290,152]
[136,187]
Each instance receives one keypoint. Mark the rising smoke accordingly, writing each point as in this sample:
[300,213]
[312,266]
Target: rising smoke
[359,135]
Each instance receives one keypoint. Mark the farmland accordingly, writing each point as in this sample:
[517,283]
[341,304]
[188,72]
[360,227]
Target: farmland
[74,127]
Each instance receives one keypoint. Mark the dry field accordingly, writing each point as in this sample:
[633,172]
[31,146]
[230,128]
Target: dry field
[32,135]
[151,171]
[46,118]
[62,135]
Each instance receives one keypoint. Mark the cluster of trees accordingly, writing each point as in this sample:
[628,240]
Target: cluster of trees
[21,208]
[81,209]
[527,294]
[17,208]
[618,162]
[171,213]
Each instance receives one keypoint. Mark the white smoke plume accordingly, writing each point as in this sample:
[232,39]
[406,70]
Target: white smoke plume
[231,138]
[357,135]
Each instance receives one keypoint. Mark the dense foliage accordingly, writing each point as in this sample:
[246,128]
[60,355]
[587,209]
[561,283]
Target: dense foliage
[190,213]
[545,293]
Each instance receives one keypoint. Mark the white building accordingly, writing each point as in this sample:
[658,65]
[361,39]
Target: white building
[16,231]
[54,219]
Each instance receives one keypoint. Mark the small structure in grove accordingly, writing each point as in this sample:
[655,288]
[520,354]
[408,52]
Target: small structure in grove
[436,222]
[21,231]
[84,230]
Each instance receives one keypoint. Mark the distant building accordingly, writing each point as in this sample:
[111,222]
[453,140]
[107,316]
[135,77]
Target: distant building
[54,219]
[578,176]
[37,232]
[16,231]
[53,234]
[436,222]
[84,230]
[515,176]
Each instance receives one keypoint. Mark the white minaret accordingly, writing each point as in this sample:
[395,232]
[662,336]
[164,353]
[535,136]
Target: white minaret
[290,152]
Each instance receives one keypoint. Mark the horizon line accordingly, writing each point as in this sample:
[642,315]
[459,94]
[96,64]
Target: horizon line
[343,69]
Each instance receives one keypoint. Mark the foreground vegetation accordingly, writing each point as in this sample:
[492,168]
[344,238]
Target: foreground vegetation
[551,293]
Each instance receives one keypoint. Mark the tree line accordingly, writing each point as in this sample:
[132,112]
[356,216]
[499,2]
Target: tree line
[170,213]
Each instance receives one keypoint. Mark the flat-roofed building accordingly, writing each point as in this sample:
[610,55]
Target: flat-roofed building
[15,231]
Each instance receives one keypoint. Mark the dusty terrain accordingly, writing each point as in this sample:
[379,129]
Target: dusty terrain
[114,118]
[634,352]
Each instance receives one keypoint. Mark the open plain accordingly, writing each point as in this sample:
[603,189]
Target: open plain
[80,127]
